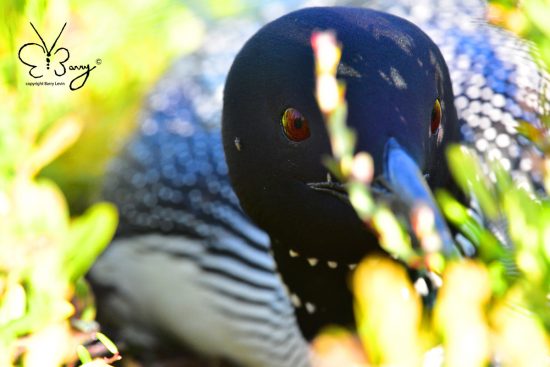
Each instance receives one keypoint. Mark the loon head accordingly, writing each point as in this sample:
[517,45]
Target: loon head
[400,103]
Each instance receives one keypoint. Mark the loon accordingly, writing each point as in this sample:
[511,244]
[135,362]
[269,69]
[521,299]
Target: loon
[400,103]
[188,267]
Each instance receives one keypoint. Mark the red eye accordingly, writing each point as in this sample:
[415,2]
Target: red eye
[295,125]
[436,117]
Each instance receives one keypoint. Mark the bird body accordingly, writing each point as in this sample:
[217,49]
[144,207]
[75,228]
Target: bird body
[188,267]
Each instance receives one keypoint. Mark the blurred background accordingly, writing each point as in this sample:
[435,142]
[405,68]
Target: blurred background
[136,43]
[55,142]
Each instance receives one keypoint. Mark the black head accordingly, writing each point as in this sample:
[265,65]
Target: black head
[396,78]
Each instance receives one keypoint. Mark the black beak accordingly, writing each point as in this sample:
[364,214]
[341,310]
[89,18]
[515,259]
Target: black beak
[408,184]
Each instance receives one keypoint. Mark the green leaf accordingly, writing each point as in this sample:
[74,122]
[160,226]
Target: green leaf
[458,215]
[523,216]
[57,139]
[393,238]
[487,245]
[83,354]
[334,167]
[84,301]
[108,343]
[40,209]
[504,182]
[497,274]
[13,302]
[361,200]
[466,169]
[88,237]
[341,136]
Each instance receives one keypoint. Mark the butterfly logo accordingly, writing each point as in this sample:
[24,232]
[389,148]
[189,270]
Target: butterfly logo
[30,55]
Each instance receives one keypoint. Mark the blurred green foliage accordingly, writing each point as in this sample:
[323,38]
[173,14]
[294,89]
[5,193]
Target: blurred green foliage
[54,143]
[124,37]
[529,19]
[44,255]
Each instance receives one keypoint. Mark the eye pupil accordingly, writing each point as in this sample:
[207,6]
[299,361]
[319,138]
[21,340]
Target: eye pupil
[436,117]
[295,125]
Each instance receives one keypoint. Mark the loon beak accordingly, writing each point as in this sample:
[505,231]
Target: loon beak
[406,181]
